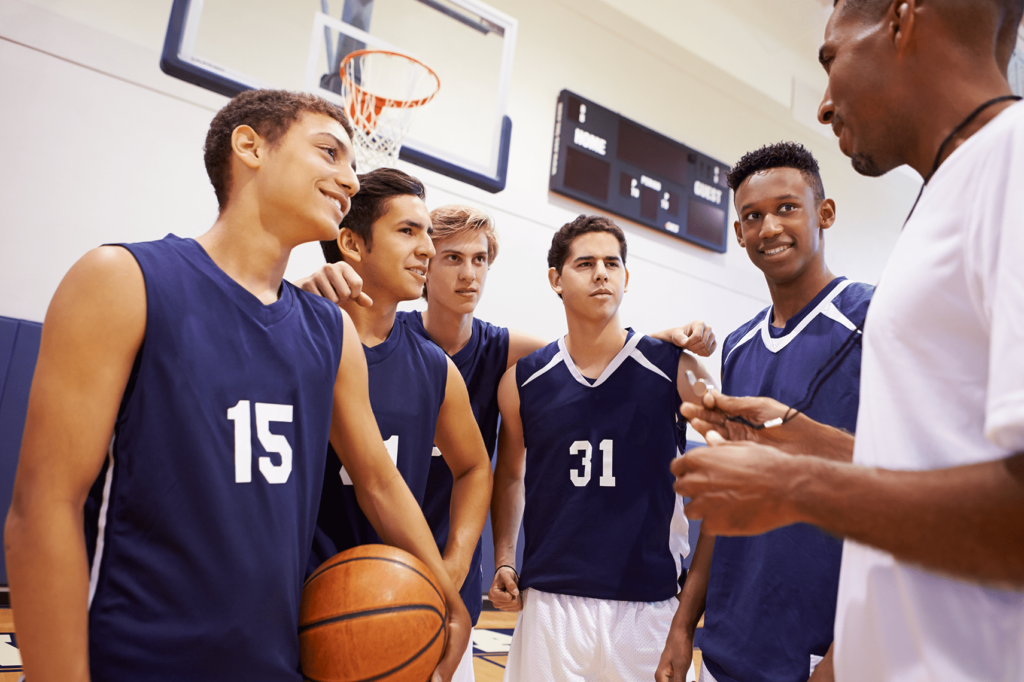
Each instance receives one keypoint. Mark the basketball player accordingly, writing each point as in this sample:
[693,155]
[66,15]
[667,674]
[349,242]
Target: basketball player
[417,395]
[215,379]
[588,427]
[933,503]
[466,245]
[770,599]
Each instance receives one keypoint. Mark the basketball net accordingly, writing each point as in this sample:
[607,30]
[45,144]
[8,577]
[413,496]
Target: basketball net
[382,91]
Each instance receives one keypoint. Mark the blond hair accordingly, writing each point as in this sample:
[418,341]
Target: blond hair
[456,219]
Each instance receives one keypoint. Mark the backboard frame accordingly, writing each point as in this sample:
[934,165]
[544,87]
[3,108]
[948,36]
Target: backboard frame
[179,60]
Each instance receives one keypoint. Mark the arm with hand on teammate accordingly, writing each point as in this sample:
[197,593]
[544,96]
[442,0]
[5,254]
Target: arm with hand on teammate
[382,492]
[462,447]
[509,497]
[678,653]
[336,282]
[93,330]
[695,337]
[745,488]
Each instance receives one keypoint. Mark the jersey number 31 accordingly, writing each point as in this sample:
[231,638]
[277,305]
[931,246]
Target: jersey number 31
[581,478]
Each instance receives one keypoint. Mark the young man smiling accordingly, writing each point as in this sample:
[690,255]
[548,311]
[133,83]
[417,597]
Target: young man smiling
[155,361]
[417,394]
[588,429]
[933,504]
[769,601]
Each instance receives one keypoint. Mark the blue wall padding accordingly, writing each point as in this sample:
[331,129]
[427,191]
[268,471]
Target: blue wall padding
[19,349]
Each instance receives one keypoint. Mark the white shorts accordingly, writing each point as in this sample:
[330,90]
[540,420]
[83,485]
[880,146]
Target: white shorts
[561,638]
[465,673]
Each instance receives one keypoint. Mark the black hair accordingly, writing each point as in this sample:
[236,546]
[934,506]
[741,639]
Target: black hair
[583,224]
[376,189]
[779,155]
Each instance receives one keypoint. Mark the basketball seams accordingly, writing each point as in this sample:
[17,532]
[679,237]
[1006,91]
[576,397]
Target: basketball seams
[323,569]
[401,666]
[371,612]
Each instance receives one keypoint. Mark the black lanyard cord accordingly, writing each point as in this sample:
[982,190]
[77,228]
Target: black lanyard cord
[942,147]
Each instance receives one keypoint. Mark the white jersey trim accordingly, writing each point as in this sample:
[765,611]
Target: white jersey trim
[776,343]
[101,526]
[647,364]
[619,358]
[551,363]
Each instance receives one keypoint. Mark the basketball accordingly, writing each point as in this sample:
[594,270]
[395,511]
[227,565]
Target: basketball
[371,613]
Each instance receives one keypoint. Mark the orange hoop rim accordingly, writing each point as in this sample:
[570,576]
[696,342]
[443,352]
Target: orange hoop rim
[385,102]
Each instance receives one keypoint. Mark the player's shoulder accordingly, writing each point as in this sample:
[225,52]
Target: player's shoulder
[538,359]
[421,345]
[738,335]
[489,333]
[853,301]
[317,306]
[656,350]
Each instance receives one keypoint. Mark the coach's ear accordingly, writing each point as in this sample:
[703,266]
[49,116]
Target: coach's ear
[826,214]
[739,234]
[351,245]
[555,280]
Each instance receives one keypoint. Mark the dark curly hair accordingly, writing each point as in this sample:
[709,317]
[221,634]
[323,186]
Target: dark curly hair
[779,155]
[270,113]
[583,224]
[376,189]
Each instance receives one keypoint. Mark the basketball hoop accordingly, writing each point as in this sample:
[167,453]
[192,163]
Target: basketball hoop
[381,91]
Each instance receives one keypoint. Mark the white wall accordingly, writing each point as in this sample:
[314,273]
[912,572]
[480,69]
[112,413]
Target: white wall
[97,145]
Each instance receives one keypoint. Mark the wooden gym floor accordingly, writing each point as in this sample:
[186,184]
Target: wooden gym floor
[490,646]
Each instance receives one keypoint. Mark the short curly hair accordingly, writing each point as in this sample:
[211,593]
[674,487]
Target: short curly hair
[779,155]
[270,113]
[583,224]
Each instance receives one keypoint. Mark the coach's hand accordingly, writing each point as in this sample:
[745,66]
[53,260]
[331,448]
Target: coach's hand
[676,658]
[740,488]
[504,592]
[460,629]
[797,435]
[337,282]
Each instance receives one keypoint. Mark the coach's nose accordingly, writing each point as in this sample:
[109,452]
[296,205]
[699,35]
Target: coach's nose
[826,110]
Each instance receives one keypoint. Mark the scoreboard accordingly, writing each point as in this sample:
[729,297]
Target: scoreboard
[612,163]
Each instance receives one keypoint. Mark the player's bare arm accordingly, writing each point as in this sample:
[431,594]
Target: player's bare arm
[509,497]
[463,449]
[747,488]
[521,344]
[695,337]
[764,420]
[678,653]
[93,330]
[337,282]
[691,368]
[382,493]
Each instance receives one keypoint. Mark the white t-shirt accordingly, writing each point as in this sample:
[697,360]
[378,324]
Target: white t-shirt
[942,385]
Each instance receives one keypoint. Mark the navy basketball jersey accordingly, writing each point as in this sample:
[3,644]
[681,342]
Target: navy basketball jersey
[771,598]
[482,362]
[599,498]
[407,376]
[198,528]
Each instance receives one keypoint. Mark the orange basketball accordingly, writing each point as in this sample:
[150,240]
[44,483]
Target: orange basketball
[371,613]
